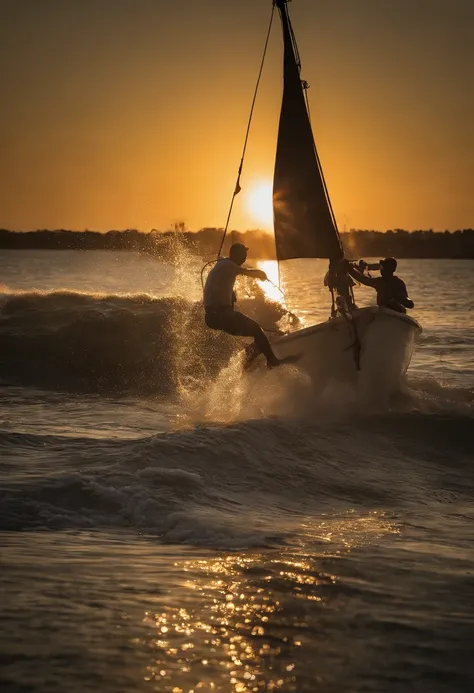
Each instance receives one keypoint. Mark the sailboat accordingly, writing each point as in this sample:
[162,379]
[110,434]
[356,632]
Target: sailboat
[366,346]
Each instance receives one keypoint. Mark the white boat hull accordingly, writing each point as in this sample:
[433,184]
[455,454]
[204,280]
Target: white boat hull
[372,350]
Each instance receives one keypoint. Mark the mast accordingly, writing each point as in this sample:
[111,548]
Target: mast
[304,222]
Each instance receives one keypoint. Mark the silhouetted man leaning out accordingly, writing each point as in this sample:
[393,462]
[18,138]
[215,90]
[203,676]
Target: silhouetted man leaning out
[219,299]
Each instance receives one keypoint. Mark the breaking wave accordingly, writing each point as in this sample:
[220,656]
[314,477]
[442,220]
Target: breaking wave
[115,345]
[256,459]
[253,483]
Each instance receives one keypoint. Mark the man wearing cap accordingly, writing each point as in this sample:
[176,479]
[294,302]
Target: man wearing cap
[219,299]
[391,290]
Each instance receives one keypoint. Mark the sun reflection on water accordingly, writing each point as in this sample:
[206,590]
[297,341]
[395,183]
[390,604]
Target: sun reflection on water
[270,288]
[231,629]
[237,626]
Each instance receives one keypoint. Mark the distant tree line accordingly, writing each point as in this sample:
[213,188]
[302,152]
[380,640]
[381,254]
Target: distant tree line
[410,244]
[206,242]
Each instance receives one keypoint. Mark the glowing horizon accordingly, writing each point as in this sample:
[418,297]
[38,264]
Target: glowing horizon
[136,118]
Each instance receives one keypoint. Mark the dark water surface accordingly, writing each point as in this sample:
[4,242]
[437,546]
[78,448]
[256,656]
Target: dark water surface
[169,525]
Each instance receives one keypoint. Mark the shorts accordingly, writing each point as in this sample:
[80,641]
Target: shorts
[231,321]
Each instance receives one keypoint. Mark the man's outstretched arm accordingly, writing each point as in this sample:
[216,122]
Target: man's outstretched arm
[255,273]
[361,278]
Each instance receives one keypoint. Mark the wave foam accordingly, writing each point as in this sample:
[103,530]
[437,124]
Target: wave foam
[247,484]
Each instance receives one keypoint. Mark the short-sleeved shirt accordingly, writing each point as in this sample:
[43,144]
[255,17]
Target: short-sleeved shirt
[220,284]
[389,289]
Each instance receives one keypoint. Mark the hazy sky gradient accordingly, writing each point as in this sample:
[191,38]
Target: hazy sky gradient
[132,113]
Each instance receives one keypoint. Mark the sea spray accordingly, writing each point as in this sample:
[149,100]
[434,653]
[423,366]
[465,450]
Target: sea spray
[132,344]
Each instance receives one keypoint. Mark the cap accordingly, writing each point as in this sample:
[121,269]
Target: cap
[390,263]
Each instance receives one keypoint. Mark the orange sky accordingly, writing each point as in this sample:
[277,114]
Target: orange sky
[132,113]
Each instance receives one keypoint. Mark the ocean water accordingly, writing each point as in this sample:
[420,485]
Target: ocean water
[168,524]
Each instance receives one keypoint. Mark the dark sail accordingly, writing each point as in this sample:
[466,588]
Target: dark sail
[303,221]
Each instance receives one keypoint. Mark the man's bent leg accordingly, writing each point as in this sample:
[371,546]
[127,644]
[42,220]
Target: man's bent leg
[241,325]
[262,344]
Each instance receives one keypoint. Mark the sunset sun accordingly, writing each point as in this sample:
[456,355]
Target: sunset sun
[259,203]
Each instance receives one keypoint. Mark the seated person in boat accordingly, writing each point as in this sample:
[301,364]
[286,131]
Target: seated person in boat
[219,299]
[391,290]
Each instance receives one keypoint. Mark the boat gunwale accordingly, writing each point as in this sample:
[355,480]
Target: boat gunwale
[333,322]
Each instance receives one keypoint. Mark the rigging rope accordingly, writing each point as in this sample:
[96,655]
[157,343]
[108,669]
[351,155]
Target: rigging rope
[237,188]
[237,184]
[291,315]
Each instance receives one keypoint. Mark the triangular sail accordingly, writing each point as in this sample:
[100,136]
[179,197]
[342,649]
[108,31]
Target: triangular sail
[303,219]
